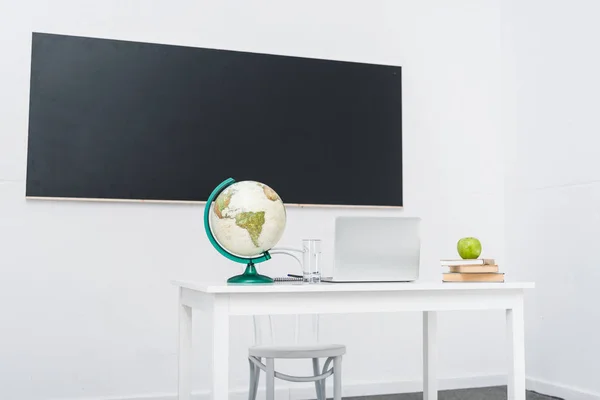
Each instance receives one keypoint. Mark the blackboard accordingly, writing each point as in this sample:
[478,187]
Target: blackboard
[112,119]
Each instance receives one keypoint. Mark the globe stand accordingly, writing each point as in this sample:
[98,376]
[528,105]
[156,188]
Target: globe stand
[250,276]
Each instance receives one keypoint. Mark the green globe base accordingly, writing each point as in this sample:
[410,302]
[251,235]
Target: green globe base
[249,277]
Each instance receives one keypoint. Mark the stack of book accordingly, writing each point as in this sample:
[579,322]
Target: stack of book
[478,270]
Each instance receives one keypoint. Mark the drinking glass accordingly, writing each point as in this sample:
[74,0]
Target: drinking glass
[311,260]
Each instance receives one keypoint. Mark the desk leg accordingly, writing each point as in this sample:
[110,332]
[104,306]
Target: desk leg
[185,352]
[430,355]
[220,350]
[515,328]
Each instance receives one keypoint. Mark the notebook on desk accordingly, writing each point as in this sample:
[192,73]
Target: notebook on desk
[376,249]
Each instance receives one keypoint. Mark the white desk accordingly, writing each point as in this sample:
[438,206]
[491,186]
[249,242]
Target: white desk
[221,301]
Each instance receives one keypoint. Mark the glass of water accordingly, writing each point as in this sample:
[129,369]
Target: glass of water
[311,260]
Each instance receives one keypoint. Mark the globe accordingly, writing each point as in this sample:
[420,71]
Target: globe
[243,221]
[248,218]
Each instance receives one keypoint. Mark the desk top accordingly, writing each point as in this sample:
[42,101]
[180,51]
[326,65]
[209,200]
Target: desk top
[299,287]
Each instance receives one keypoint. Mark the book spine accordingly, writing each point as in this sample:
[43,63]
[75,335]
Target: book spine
[473,269]
[456,263]
[480,277]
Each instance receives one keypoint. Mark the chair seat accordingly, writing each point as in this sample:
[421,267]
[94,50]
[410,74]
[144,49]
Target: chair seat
[298,351]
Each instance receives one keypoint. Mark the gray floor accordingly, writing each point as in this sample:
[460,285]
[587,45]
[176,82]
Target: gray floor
[488,393]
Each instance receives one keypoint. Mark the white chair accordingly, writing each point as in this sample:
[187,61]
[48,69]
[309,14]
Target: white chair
[332,353]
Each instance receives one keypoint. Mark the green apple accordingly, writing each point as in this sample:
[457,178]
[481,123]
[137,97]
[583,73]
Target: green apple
[469,248]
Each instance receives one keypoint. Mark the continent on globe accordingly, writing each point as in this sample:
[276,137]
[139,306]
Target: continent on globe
[270,193]
[252,222]
[222,202]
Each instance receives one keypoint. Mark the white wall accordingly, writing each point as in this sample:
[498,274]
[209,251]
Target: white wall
[553,190]
[87,308]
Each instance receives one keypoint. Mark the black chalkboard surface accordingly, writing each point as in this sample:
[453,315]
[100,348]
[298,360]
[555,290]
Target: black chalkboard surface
[114,119]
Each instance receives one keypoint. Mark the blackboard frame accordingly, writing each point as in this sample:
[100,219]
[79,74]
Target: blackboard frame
[31,194]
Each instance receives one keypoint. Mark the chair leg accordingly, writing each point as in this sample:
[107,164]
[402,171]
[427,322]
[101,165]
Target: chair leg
[254,378]
[337,378]
[318,384]
[270,379]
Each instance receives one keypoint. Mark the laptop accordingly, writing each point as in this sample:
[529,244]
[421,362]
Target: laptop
[376,249]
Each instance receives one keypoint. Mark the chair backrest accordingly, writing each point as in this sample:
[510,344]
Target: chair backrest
[264,332]
[305,329]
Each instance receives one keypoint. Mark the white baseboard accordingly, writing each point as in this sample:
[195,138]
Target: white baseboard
[559,390]
[351,389]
